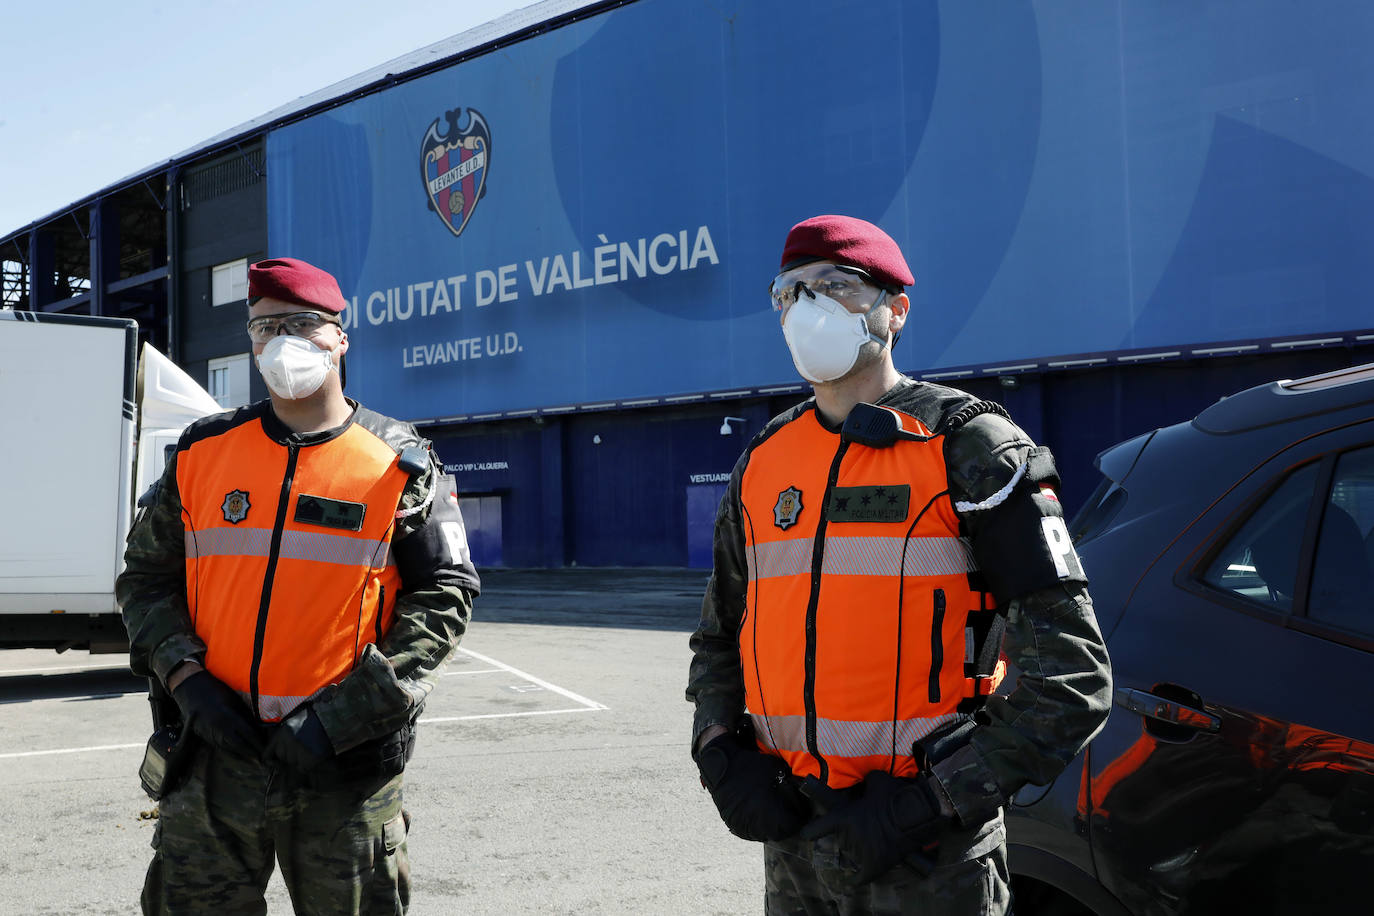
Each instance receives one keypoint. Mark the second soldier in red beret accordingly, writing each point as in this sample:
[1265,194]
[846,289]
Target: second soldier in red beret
[296,579]
[878,549]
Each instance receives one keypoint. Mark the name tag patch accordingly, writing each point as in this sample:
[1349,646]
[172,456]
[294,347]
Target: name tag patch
[330,513]
[887,503]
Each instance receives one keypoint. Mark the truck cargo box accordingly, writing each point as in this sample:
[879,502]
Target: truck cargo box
[69,435]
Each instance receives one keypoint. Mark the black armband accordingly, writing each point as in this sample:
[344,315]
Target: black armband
[1021,543]
[437,551]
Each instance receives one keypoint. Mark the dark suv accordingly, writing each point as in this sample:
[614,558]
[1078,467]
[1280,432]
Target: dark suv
[1231,561]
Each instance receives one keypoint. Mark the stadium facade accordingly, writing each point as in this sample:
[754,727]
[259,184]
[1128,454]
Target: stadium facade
[556,230]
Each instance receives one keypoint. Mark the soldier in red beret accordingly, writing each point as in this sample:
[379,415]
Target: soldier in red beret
[881,551]
[295,579]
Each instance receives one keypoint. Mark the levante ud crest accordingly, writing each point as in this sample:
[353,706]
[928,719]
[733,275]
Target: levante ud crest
[453,165]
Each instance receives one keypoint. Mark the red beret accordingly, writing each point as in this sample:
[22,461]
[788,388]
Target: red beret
[850,241]
[293,280]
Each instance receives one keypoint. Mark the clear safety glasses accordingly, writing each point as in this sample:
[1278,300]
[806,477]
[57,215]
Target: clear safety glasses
[849,286]
[298,324]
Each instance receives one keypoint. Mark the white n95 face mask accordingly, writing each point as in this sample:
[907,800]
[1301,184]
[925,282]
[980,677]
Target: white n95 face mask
[825,337]
[293,367]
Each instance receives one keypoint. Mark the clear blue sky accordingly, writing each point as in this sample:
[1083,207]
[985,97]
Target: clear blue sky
[95,91]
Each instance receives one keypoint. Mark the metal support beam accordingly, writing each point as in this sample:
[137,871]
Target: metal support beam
[104,242]
[42,268]
[171,346]
[161,202]
[248,158]
[14,285]
[77,305]
[119,286]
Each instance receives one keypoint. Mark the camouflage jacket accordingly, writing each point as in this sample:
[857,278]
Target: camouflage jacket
[392,677]
[1063,693]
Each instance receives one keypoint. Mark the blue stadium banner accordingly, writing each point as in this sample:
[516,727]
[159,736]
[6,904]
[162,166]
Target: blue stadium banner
[593,214]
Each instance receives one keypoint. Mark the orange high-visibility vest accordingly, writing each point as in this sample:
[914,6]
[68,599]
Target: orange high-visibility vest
[857,636]
[289,569]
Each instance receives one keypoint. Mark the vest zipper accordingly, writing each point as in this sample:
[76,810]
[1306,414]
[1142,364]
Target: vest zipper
[381,604]
[259,637]
[937,644]
[817,560]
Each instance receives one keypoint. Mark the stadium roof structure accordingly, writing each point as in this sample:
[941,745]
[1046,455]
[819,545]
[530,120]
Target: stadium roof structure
[516,25]
[112,243]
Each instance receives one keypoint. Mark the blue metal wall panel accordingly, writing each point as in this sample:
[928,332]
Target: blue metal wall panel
[628,492]
[703,503]
[646,494]
[504,463]
[1064,178]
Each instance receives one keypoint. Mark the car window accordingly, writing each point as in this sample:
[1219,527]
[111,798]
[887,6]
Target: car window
[1341,573]
[1260,561]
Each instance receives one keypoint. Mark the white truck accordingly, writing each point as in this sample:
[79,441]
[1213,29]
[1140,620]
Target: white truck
[85,424]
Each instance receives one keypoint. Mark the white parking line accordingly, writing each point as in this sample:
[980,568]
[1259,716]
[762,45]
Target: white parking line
[586,705]
[4,672]
[74,750]
[512,715]
[590,704]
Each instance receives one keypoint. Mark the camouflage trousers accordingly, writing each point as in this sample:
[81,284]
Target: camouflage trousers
[970,878]
[341,851]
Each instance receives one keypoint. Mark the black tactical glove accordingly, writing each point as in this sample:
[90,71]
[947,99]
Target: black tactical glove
[299,743]
[891,820]
[751,790]
[217,715]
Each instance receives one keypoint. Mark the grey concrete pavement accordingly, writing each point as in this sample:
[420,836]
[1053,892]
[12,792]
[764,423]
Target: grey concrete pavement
[551,774]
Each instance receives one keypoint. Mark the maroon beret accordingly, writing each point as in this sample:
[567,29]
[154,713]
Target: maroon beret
[850,241]
[293,280]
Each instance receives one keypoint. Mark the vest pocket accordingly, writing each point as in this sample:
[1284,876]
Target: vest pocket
[937,644]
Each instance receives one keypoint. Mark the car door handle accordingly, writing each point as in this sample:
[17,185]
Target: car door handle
[1172,711]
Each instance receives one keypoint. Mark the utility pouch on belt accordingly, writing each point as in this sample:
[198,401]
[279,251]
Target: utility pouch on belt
[380,758]
[943,742]
[170,747]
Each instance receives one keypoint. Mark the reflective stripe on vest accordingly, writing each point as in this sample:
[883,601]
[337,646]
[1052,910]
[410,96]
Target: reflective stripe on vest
[295,545]
[864,556]
[285,599]
[846,738]
[855,641]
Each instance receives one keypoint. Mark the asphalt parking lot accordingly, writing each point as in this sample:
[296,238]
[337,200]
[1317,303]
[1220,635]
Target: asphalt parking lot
[551,773]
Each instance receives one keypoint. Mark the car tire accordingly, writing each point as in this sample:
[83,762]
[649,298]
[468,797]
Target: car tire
[1035,898]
